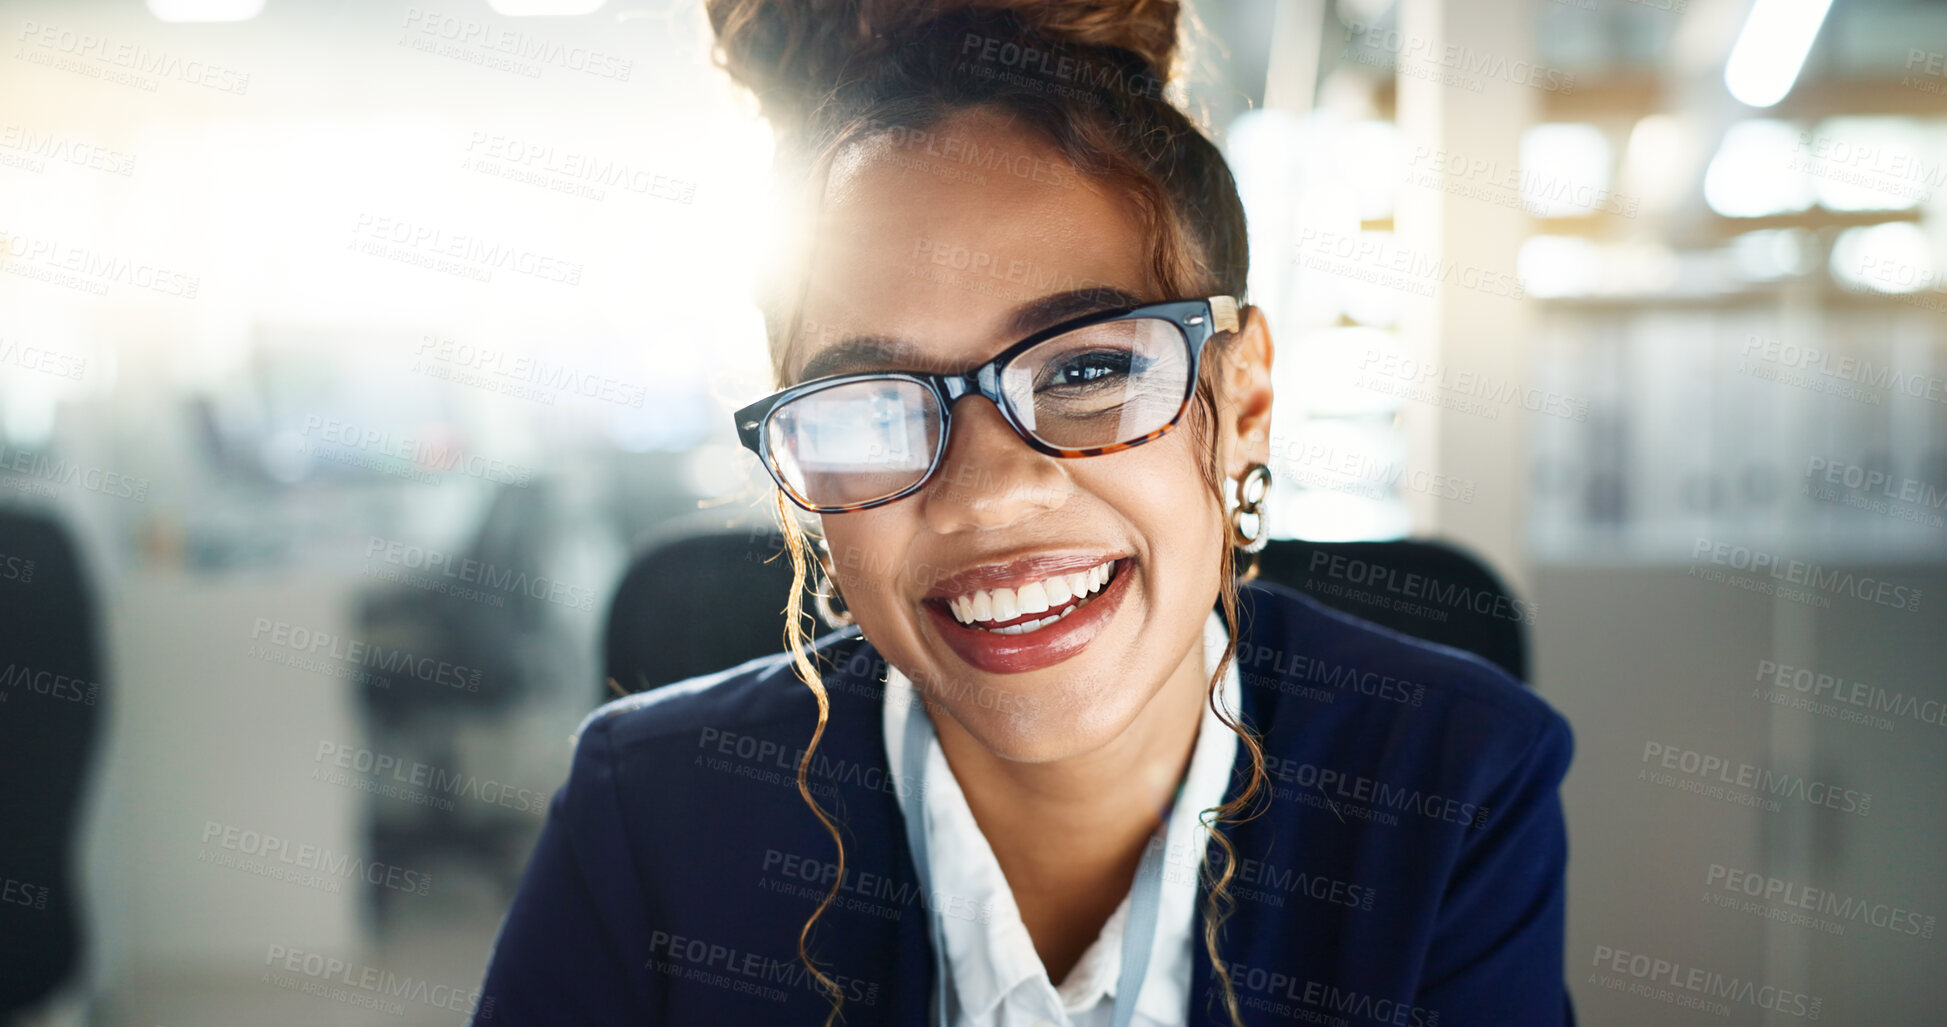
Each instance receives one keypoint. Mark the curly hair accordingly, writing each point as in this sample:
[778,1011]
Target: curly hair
[828,74]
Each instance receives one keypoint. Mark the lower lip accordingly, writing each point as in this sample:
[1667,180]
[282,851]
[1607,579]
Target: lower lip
[1018,654]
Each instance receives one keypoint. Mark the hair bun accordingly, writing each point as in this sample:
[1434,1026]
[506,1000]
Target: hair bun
[792,53]
[1146,28]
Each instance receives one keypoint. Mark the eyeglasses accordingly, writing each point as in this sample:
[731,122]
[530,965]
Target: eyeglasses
[1095,384]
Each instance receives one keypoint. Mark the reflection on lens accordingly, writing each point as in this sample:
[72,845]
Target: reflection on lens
[854,443]
[1103,384]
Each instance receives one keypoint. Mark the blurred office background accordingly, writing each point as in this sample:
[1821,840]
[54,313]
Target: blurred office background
[355,348]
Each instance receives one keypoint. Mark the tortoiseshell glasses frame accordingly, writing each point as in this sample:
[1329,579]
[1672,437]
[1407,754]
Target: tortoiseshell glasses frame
[1197,321]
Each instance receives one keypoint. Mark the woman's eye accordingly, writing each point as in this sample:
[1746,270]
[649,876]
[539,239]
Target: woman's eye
[1090,369]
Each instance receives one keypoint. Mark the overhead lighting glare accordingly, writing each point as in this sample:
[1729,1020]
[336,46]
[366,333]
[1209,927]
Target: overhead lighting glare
[1768,54]
[206,10]
[544,8]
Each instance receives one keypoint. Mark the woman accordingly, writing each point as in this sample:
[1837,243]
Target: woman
[1021,398]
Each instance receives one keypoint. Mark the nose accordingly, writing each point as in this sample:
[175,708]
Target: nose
[990,477]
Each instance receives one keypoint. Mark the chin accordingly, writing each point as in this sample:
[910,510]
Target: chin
[1045,728]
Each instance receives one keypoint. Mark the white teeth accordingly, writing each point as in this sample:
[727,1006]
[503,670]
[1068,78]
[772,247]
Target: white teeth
[1034,597]
[1058,590]
[1028,626]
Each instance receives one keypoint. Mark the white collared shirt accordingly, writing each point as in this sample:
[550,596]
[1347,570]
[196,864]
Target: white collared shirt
[997,975]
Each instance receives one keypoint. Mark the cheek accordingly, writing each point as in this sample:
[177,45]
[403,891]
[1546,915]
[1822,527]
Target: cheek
[1163,499]
[867,555]
[1158,488]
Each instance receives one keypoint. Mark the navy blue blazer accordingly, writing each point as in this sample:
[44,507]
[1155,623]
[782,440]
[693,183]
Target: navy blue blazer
[1408,871]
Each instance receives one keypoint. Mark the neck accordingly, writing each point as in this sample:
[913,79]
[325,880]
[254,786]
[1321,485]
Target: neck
[1069,833]
[1128,781]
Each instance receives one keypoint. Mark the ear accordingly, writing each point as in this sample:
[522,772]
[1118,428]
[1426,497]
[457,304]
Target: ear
[1244,401]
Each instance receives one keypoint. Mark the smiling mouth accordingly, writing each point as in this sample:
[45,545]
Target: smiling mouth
[1033,605]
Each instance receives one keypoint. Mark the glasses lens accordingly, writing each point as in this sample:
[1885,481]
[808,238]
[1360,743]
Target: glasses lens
[1103,384]
[854,443]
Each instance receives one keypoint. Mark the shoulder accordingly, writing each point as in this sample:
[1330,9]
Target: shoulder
[1405,699]
[758,692]
[673,829]
[718,752]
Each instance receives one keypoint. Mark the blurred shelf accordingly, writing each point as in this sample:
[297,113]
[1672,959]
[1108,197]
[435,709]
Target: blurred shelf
[1622,95]
[1633,95]
[1717,228]
[1815,219]
[1757,294]
[1832,97]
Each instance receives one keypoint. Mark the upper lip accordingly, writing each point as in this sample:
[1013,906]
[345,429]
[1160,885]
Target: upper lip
[1019,571]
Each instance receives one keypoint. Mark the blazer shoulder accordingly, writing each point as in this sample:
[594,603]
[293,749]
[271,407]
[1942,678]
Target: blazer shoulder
[755,692]
[1333,642]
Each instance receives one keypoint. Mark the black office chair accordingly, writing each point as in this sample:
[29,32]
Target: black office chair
[51,698]
[415,715]
[697,601]
[1423,588]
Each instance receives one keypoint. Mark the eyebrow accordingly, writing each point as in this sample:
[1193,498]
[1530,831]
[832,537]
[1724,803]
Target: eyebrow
[880,352]
[1058,307]
[863,352]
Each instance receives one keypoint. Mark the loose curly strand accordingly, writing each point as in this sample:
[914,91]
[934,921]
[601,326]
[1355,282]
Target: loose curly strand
[798,643]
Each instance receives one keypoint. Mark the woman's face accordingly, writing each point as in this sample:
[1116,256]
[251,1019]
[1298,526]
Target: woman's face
[952,260]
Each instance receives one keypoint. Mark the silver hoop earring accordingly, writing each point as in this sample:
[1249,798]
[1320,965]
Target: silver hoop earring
[1249,502]
[821,600]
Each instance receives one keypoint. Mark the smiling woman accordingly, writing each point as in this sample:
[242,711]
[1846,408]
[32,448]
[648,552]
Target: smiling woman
[1063,763]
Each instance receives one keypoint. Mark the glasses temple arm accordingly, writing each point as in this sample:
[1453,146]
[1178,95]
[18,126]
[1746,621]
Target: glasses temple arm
[1223,311]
